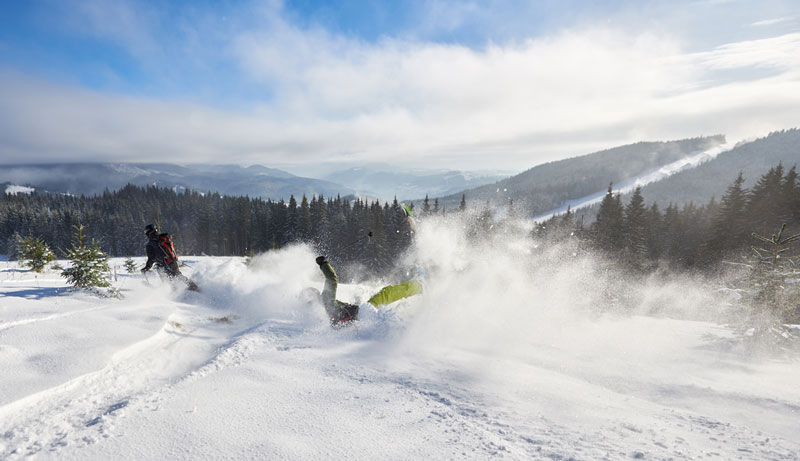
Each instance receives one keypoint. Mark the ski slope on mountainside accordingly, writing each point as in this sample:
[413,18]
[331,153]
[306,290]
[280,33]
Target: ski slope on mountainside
[513,351]
[631,184]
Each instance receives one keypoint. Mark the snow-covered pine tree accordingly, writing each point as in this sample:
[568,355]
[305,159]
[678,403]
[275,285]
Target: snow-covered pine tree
[771,299]
[377,257]
[89,267]
[772,276]
[426,206]
[320,227]
[304,220]
[635,229]
[610,223]
[34,253]
[655,232]
[12,246]
[291,225]
[790,196]
[765,202]
[130,265]
[672,226]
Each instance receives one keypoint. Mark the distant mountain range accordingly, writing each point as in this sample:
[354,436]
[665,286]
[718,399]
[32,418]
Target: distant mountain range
[677,172]
[94,178]
[371,181]
[387,182]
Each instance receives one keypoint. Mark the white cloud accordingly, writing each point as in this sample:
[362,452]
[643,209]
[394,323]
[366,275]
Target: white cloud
[772,22]
[506,106]
[780,53]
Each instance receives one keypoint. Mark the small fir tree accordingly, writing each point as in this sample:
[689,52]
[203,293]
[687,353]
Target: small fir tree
[130,265]
[771,299]
[775,294]
[34,253]
[89,267]
[426,206]
[635,229]
[610,223]
[12,246]
[730,221]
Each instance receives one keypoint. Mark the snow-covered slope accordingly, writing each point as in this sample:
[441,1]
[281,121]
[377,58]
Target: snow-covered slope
[513,351]
[642,180]
[546,186]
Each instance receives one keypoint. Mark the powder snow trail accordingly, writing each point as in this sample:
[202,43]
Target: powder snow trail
[245,371]
[82,410]
[16,323]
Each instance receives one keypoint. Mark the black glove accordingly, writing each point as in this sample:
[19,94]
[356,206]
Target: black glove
[144,270]
[321,260]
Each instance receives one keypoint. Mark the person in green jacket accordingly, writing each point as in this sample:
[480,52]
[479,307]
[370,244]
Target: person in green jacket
[340,312]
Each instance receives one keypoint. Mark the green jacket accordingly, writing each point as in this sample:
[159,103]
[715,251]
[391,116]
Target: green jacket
[337,311]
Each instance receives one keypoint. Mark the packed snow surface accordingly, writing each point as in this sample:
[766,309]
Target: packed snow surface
[512,352]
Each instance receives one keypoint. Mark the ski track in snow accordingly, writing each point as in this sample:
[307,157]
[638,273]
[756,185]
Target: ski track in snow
[16,323]
[82,411]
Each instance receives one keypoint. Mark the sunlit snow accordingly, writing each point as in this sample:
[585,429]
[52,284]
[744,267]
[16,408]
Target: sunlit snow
[512,351]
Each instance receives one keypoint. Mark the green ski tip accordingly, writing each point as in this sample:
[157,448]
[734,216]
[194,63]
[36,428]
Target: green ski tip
[407,209]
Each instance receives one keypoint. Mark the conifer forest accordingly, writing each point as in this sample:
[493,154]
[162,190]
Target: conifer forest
[694,236]
[353,233]
[373,235]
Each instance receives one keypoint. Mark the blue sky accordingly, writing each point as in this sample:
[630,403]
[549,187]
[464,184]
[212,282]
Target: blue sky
[62,40]
[453,84]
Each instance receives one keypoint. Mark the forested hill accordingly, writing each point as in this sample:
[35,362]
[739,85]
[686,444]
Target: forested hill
[547,186]
[358,233]
[712,178]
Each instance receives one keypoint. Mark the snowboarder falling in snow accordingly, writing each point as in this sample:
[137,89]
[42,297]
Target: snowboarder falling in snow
[340,313]
[161,254]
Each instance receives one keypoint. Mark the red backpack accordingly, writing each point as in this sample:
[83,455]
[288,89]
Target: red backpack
[165,243]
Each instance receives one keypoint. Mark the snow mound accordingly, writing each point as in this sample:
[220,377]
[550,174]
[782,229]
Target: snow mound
[14,190]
